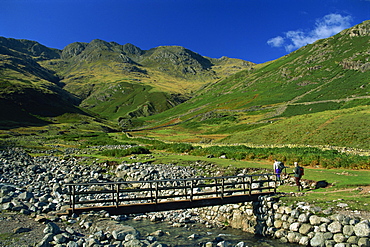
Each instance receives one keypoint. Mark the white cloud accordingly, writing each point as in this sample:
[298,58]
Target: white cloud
[325,27]
[276,42]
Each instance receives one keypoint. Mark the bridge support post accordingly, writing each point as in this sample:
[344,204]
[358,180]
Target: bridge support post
[191,190]
[151,192]
[117,196]
[113,190]
[156,192]
[222,188]
[243,181]
[73,197]
[216,189]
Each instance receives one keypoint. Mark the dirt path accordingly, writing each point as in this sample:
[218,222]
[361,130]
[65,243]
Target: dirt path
[364,190]
[19,230]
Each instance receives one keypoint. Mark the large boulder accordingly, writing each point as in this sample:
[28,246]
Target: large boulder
[362,229]
[119,231]
[318,240]
[122,231]
[53,228]
[335,227]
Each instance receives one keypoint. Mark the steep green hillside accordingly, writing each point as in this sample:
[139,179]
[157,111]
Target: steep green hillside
[318,94]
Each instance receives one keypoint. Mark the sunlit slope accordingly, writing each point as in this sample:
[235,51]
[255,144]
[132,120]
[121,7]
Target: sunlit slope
[344,128]
[256,105]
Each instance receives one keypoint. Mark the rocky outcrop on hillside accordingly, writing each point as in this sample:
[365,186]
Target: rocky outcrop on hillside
[73,49]
[359,30]
[22,56]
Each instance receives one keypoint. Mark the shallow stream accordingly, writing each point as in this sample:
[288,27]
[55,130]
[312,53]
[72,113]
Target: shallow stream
[196,234]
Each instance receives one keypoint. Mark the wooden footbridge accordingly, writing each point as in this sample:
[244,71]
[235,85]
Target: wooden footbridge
[128,197]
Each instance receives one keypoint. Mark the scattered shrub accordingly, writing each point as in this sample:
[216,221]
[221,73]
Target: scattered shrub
[173,147]
[305,156]
[125,152]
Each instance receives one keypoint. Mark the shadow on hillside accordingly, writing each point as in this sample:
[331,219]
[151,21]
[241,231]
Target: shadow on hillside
[9,124]
[30,111]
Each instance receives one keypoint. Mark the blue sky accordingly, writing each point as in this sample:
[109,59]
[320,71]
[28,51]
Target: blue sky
[253,30]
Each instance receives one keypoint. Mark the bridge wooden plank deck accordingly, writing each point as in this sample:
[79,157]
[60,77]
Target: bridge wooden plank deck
[130,197]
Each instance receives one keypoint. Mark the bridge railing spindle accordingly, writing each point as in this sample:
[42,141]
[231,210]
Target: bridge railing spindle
[156,192]
[222,188]
[117,196]
[244,190]
[191,190]
[113,192]
[72,196]
[216,189]
[151,191]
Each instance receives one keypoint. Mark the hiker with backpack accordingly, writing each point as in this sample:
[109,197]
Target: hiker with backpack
[278,168]
[298,173]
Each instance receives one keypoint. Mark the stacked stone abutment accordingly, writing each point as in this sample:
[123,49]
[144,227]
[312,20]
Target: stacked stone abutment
[301,224]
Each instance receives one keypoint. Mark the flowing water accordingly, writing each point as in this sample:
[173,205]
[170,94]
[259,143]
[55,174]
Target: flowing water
[196,234]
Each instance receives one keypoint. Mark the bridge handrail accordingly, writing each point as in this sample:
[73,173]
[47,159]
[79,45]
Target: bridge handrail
[170,180]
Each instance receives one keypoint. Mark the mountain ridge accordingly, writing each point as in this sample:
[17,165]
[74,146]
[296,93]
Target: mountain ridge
[89,74]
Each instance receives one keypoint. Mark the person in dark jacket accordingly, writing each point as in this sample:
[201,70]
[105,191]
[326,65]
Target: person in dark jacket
[298,175]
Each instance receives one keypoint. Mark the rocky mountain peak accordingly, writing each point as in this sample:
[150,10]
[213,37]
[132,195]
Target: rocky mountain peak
[132,50]
[177,55]
[100,44]
[73,49]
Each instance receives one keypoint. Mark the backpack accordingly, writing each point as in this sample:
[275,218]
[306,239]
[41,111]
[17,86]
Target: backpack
[300,171]
[280,166]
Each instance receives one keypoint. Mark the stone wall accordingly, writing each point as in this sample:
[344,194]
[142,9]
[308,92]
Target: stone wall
[302,224]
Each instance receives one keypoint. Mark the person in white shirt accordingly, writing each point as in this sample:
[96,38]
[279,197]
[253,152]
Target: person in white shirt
[277,169]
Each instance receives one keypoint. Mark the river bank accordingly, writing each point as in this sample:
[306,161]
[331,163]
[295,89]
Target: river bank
[17,230]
